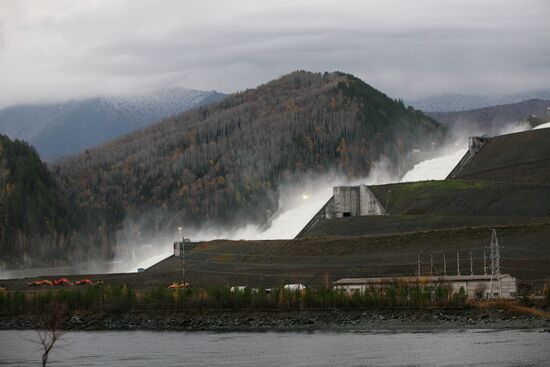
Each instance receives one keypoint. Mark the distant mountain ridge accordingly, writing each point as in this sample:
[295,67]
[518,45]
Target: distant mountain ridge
[492,120]
[464,102]
[62,129]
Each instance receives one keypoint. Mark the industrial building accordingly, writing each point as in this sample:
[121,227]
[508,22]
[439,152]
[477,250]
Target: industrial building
[475,286]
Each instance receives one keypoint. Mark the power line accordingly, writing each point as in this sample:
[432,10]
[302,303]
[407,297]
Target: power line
[393,252]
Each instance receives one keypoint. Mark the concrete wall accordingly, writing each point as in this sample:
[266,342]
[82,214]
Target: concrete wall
[347,201]
[475,143]
[507,283]
[352,201]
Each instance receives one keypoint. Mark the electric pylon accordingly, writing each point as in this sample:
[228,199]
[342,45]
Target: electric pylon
[495,265]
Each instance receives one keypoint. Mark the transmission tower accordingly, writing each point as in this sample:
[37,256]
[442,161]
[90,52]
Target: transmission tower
[495,265]
[484,263]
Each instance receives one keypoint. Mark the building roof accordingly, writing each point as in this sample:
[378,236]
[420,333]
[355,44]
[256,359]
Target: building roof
[427,279]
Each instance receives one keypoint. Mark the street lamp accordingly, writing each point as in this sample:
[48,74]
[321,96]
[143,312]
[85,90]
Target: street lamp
[182,253]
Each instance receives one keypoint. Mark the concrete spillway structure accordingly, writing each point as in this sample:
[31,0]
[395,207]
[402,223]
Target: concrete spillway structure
[520,157]
[348,201]
[475,143]
[502,179]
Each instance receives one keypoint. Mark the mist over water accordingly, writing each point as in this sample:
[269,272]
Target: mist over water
[298,203]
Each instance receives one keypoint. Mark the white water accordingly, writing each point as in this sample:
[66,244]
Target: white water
[434,169]
[542,126]
[299,204]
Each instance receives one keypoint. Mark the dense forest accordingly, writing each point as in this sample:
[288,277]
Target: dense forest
[31,205]
[224,162]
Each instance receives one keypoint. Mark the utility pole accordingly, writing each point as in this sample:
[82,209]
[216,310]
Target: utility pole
[183,263]
[457,263]
[444,265]
[471,264]
[418,260]
[432,265]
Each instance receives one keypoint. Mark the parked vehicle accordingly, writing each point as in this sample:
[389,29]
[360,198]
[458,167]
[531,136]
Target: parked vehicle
[294,287]
[62,282]
[84,282]
[239,288]
[41,283]
[177,285]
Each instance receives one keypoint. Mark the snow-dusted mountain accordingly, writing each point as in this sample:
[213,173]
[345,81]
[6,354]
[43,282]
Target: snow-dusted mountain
[62,129]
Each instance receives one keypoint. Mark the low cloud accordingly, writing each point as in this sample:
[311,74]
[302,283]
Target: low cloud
[67,49]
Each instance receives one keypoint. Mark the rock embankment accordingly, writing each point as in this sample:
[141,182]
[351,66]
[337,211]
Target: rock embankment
[289,321]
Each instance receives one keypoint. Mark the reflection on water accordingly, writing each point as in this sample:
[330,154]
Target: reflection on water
[146,348]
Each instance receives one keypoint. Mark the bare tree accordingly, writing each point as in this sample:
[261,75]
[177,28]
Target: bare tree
[49,331]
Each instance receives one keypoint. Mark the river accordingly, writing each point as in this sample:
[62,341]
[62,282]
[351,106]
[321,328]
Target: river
[147,348]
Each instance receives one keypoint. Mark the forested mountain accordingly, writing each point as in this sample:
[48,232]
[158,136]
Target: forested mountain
[31,205]
[223,162]
[491,120]
[62,129]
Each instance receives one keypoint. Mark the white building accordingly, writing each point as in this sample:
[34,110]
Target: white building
[472,284]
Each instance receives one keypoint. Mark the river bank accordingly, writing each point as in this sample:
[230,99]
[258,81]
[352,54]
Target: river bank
[332,320]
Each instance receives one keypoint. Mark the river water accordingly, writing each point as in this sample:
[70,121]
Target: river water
[149,348]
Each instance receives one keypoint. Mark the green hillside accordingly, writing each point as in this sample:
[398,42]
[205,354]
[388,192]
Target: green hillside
[520,157]
[465,198]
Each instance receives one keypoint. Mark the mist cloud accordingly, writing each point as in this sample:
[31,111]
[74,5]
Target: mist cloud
[65,49]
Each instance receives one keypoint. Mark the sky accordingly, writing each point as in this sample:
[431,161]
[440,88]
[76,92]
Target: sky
[58,50]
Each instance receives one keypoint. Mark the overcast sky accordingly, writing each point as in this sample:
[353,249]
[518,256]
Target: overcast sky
[54,50]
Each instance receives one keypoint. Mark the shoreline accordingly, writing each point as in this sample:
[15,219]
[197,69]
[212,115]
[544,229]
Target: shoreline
[306,321]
